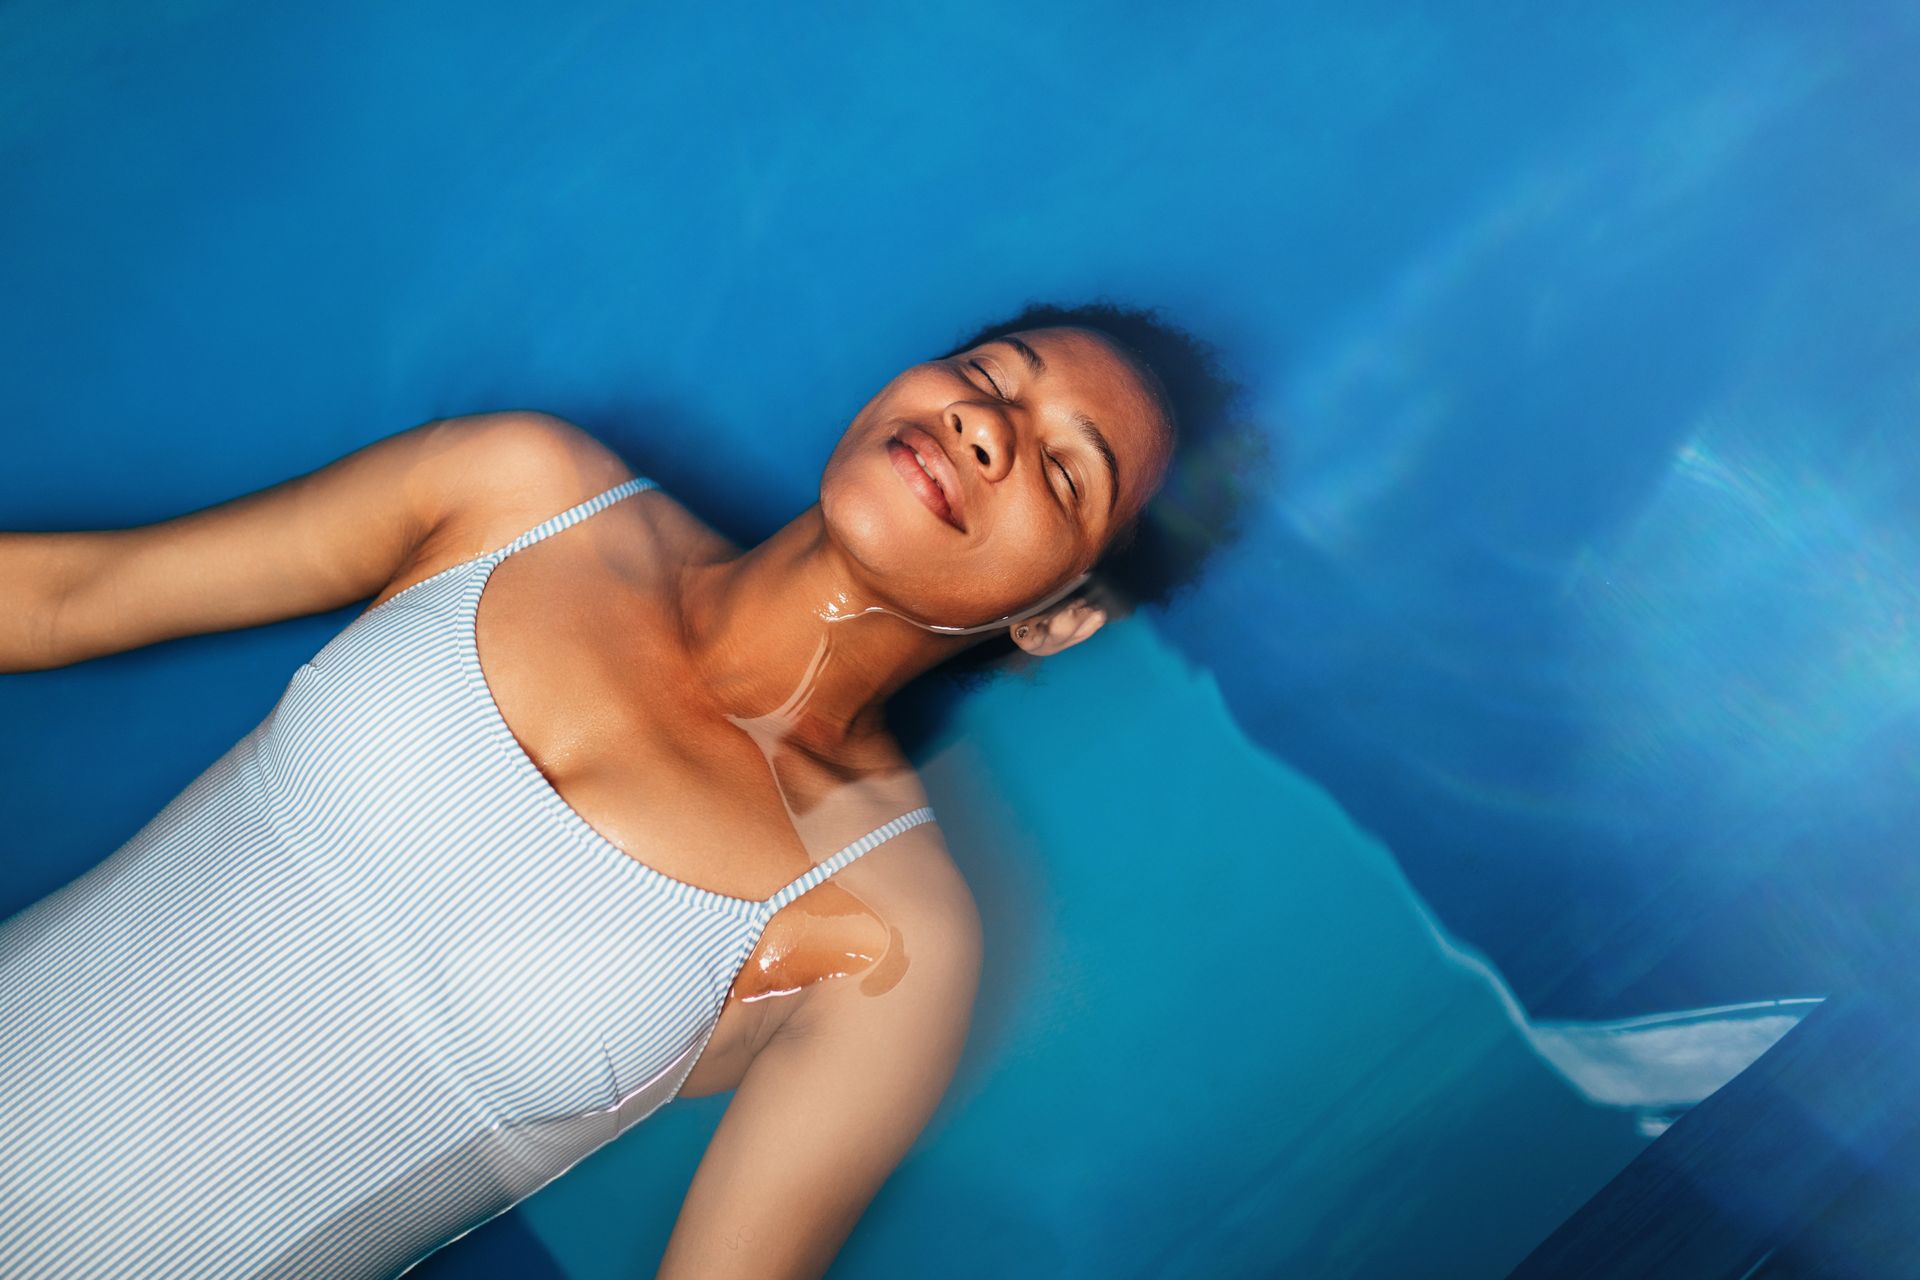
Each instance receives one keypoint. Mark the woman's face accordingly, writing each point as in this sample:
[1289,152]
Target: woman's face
[1023,436]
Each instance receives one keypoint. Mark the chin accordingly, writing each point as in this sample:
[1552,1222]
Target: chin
[876,528]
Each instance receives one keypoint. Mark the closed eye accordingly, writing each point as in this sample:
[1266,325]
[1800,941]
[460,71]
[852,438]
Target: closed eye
[1066,474]
[1069,477]
[989,377]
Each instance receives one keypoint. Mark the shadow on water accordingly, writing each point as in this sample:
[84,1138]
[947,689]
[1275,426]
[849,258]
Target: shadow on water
[1806,1165]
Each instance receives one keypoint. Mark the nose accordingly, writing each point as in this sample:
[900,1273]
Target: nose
[982,433]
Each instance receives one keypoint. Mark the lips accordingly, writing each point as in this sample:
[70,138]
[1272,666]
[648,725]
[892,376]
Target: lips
[939,485]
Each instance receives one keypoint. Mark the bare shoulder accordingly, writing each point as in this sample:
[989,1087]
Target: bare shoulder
[912,877]
[502,473]
[529,462]
[521,461]
[937,900]
[936,941]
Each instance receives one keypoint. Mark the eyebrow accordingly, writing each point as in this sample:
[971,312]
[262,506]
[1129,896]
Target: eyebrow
[1086,426]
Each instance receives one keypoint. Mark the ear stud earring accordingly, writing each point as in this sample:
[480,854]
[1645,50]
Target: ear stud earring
[1020,632]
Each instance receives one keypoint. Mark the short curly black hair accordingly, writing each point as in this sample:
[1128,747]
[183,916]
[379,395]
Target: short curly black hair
[1218,460]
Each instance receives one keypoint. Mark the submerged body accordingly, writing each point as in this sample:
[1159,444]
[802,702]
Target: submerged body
[362,985]
[372,977]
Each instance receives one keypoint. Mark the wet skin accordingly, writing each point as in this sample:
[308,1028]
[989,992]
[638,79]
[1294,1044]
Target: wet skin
[718,713]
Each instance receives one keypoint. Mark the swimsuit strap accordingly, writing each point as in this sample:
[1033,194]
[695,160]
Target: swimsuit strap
[573,515]
[821,870]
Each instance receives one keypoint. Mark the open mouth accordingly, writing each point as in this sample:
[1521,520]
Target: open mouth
[925,478]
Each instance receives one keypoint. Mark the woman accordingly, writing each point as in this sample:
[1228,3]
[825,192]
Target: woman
[572,820]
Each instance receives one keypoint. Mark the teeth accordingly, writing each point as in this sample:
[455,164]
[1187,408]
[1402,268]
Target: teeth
[928,471]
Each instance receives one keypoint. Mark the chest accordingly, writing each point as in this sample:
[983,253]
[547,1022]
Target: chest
[589,676]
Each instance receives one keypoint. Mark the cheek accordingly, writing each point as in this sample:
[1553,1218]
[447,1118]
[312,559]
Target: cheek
[878,522]
[1031,561]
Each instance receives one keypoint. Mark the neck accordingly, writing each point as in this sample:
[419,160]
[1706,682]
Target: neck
[754,629]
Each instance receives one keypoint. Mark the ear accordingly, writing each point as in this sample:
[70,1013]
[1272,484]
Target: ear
[1059,628]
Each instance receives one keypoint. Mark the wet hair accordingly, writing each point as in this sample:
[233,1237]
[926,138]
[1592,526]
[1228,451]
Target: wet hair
[1218,460]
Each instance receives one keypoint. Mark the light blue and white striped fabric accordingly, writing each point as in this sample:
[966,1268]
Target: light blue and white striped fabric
[364,984]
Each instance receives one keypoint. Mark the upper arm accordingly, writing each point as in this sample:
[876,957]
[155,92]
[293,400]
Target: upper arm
[306,545]
[827,1110]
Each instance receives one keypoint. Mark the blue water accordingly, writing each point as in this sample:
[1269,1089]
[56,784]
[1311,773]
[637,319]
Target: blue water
[1568,679]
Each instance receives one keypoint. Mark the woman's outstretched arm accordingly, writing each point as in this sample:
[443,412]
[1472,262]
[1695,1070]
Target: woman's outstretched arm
[827,1110]
[306,545]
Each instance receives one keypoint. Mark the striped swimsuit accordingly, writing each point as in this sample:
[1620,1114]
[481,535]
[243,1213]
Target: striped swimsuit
[361,986]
